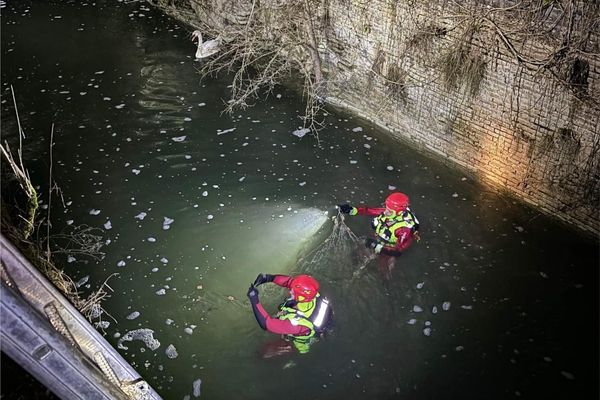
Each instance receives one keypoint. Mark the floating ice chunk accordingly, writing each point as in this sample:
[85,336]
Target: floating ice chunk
[196,385]
[82,281]
[302,184]
[459,348]
[543,275]
[367,146]
[417,309]
[169,321]
[220,132]
[70,222]
[178,138]
[353,161]
[209,216]
[119,106]
[93,211]
[143,334]
[98,72]
[420,285]
[568,375]
[205,193]
[465,307]
[187,119]
[121,263]
[164,260]
[141,216]
[71,259]
[434,310]
[242,179]
[454,194]
[188,330]
[357,129]
[519,228]
[167,223]
[102,324]
[161,292]
[151,239]
[108,225]
[301,132]
[389,168]
[390,187]
[133,315]
[411,321]
[427,331]
[171,351]
[136,171]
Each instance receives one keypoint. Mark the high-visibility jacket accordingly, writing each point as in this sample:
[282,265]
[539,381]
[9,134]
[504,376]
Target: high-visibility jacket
[314,315]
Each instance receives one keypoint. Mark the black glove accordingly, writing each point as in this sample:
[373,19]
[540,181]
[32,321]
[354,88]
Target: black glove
[253,295]
[345,208]
[263,278]
[370,243]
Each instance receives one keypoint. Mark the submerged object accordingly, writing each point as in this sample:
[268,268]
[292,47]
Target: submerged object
[208,48]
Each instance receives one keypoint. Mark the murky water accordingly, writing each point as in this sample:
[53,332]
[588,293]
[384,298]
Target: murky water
[495,302]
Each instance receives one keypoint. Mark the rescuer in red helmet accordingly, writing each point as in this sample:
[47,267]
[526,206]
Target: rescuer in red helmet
[301,318]
[395,225]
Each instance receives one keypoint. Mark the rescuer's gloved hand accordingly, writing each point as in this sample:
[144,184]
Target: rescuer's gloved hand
[263,278]
[345,208]
[372,244]
[253,294]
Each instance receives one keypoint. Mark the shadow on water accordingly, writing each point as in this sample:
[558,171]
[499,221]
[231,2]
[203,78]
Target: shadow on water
[496,301]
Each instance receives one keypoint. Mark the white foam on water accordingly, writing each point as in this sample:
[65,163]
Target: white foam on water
[143,334]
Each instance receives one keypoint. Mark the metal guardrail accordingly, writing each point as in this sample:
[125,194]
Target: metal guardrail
[49,338]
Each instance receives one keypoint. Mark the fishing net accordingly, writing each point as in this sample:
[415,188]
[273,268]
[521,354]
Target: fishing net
[340,254]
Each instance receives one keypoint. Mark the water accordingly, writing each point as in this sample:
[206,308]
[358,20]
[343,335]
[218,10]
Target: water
[495,302]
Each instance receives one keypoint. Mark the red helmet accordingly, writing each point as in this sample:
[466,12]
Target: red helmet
[304,288]
[397,202]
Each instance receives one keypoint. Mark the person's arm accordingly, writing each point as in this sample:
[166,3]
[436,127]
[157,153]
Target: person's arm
[371,211]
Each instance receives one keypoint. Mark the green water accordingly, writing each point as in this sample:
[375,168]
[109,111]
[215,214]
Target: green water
[136,131]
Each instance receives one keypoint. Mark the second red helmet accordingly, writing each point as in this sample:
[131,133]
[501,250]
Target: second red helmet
[304,288]
[397,201]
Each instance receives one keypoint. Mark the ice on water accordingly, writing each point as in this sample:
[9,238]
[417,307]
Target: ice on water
[144,334]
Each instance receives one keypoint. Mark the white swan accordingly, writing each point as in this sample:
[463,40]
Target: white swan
[207,48]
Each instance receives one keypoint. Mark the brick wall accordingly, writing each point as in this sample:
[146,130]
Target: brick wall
[442,76]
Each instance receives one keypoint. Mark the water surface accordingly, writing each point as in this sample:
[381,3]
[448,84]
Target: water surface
[195,203]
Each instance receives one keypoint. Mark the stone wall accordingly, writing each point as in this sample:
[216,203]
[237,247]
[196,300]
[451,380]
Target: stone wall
[510,96]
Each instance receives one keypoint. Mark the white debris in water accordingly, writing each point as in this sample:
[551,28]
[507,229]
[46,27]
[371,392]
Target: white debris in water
[143,334]
[121,263]
[353,161]
[169,321]
[427,331]
[459,348]
[107,225]
[391,187]
[102,324]
[465,307]
[455,194]
[417,309]
[155,269]
[357,129]
[188,330]
[222,132]
[171,351]
[196,385]
[71,259]
[446,305]
[420,285]
[411,321]
[82,281]
[209,216]
[434,310]
[568,375]
[301,132]
[136,171]
[164,260]
[519,228]
[161,292]
[93,211]
[151,239]
[133,315]
[205,193]
[167,223]
[178,138]
[543,275]
[119,106]
[367,146]
[70,222]
[389,168]
[141,216]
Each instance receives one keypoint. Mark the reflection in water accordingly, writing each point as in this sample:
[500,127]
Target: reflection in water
[493,301]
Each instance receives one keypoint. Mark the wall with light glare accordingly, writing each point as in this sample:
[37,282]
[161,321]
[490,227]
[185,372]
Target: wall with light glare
[510,94]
